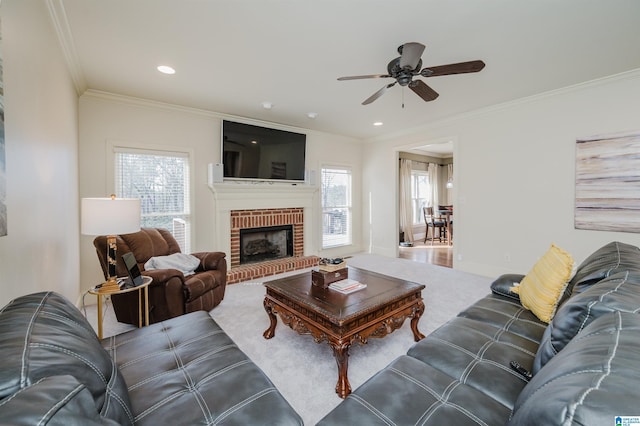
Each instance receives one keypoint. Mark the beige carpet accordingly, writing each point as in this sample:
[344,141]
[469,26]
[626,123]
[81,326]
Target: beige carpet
[305,372]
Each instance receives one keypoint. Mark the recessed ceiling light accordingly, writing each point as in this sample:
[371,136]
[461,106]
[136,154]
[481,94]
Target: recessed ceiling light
[312,115]
[267,105]
[165,69]
[378,123]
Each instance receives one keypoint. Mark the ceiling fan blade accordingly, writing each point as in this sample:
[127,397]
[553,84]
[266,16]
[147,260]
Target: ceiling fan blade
[357,77]
[459,68]
[411,53]
[421,89]
[378,94]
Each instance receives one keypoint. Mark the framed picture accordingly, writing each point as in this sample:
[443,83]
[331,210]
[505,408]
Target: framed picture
[608,183]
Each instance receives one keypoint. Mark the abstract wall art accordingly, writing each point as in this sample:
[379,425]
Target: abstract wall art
[608,183]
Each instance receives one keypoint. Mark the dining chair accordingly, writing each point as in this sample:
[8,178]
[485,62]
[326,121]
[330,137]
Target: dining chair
[447,212]
[432,223]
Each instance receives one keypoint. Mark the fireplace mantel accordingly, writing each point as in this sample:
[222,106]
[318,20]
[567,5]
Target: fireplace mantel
[241,196]
[253,196]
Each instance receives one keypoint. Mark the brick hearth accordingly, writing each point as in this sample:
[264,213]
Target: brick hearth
[241,219]
[271,267]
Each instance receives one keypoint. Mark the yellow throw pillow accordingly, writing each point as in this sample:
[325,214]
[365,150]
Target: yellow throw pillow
[541,289]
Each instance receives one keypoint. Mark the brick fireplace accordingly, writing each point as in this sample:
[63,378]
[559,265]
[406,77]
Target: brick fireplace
[256,205]
[267,219]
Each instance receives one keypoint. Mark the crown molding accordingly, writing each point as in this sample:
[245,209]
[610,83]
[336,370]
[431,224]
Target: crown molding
[149,103]
[627,75]
[63,31]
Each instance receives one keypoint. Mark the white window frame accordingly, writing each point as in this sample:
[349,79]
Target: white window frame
[416,203]
[328,240]
[144,149]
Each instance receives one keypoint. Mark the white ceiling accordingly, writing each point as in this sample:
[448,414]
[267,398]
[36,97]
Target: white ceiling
[443,149]
[231,55]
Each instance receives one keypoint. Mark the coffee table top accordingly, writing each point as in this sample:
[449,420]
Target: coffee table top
[338,307]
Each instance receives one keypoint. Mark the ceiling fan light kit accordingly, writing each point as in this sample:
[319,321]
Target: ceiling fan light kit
[408,65]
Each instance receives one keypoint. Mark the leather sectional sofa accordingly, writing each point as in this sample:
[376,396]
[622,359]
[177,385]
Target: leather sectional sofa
[585,363]
[183,371]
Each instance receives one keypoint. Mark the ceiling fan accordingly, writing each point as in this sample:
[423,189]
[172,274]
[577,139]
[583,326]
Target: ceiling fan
[407,66]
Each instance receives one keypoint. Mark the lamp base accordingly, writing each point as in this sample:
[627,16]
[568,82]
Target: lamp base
[110,286]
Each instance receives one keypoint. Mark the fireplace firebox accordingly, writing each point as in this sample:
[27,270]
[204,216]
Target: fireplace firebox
[265,243]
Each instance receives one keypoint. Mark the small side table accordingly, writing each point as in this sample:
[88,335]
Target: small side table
[144,286]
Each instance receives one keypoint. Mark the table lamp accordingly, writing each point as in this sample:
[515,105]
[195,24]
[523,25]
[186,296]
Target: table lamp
[110,216]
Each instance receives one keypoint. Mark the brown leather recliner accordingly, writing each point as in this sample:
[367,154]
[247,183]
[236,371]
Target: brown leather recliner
[171,294]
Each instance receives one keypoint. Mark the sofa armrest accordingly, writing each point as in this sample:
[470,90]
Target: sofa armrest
[53,400]
[502,285]
[210,260]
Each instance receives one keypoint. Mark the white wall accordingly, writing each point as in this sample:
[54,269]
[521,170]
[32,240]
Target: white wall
[40,251]
[514,175]
[514,182]
[107,118]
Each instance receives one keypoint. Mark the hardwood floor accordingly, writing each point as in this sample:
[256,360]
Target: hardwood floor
[437,254]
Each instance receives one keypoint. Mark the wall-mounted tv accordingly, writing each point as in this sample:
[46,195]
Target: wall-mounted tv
[260,153]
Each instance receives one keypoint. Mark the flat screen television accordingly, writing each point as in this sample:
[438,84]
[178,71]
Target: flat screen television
[260,153]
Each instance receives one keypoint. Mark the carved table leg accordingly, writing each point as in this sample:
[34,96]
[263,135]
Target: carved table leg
[271,331]
[341,353]
[417,336]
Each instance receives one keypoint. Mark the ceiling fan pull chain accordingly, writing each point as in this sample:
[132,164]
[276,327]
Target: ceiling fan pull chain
[403,98]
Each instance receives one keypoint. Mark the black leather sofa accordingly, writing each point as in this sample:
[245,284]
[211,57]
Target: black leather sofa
[585,362]
[183,371]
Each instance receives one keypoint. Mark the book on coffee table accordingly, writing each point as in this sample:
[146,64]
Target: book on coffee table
[347,286]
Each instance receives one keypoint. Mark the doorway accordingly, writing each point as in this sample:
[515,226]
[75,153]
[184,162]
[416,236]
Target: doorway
[431,186]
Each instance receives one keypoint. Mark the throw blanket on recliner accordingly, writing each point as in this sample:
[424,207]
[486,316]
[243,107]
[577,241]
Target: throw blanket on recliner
[184,263]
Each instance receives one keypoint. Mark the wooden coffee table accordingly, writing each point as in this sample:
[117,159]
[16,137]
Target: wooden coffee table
[341,319]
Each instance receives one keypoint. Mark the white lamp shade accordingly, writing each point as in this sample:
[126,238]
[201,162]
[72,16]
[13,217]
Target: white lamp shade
[110,216]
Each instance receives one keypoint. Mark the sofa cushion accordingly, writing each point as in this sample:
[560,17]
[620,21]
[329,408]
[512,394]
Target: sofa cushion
[506,314]
[593,380]
[44,335]
[619,292]
[409,392]
[608,260]
[476,347]
[55,400]
[542,288]
[188,371]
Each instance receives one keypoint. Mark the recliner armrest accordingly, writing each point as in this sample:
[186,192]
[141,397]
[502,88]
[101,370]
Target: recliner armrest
[163,275]
[166,294]
[211,260]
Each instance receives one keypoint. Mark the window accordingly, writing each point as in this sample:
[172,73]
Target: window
[336,207]
[161,181]
[420,193]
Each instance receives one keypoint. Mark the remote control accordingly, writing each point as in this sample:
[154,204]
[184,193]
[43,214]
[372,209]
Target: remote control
[520,369]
